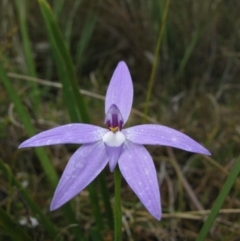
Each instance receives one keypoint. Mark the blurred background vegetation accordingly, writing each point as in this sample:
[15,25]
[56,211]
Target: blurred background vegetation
[196,90]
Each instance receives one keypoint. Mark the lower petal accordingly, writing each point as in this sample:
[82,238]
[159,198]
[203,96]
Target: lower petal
[113,153]
[137,167]
[83,167]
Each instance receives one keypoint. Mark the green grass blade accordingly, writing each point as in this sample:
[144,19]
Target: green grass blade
[188,52]
[155,62]
[59,60]
[86,35]
[64,65]
[57,7]
[12,228]
[47,224]
[21,7]
[219,201]
[94,234]
[117,205]
[95,206]
[69,25]
[26,120]
[22,16]
[106,200]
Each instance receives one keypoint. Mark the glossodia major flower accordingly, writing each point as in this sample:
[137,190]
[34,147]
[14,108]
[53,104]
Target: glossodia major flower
[114,145]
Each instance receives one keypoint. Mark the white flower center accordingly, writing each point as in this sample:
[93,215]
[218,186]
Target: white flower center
[114,139]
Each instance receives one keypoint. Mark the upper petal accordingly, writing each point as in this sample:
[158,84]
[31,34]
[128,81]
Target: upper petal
[71,133]
[162,135]
[120,91]
[137,167]
[84,165]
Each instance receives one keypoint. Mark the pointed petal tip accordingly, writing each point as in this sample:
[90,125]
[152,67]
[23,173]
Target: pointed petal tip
[112,165]
[52,209]
[158,216]
[53,206]
[23,145]
[156,213]
[56,202]
[111,168]
[27,144]
[202,150]
[20,146]
[207,152]
[122,64]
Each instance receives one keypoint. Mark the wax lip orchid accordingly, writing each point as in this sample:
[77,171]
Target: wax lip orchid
[114,146]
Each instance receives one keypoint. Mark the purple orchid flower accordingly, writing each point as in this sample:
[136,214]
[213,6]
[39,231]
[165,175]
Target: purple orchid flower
[114,146]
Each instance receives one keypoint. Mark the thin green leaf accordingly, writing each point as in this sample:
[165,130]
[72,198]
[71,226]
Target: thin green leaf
[155,62]
[117,205]
[94,234]
[65,66]
[106,200]
[57,7]
[21,7]
[220,200]
[12,228]
[22,16]
[86,36]
[188,52]
[68,29]
[95,206]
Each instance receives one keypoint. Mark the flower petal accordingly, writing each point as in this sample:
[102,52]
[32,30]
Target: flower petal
[137,167]
[113,153]
[85,164]
[162,135]
[120,91]
[71,133]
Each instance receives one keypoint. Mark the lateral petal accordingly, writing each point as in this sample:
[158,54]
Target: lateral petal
[161,135]
[84,165]
[137,167]
[120,91]
[71,133]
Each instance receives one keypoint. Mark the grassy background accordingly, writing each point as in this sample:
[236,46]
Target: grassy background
[196,90]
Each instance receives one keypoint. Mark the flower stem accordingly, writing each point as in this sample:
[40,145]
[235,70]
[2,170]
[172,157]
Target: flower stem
[117,206]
